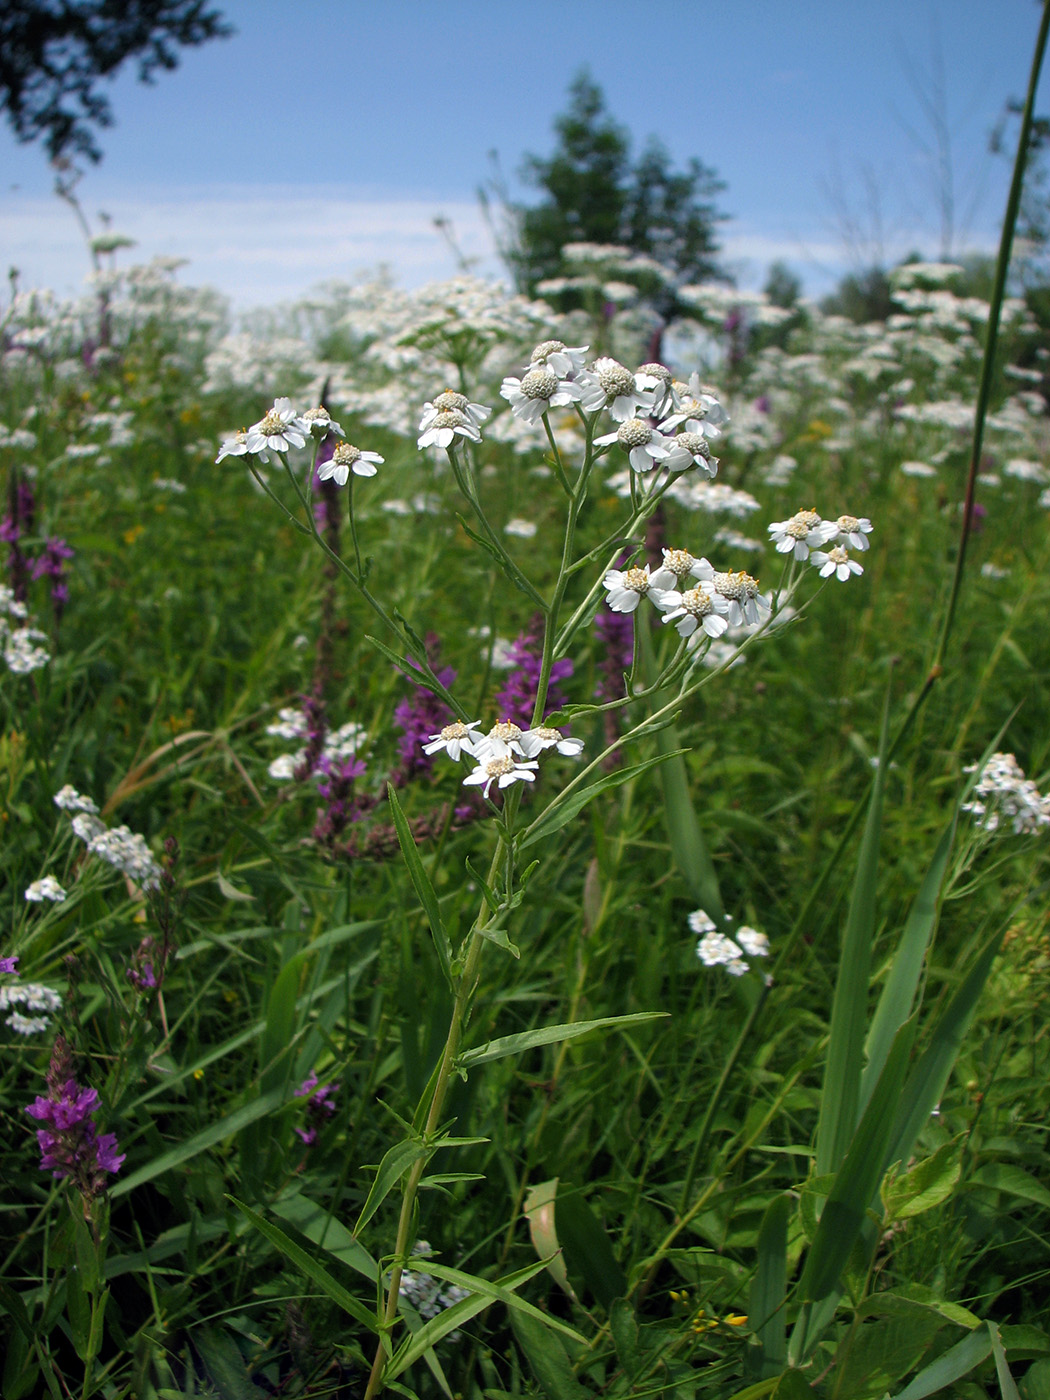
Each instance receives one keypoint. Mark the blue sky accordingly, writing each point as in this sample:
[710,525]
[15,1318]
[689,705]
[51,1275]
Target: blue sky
[325,136]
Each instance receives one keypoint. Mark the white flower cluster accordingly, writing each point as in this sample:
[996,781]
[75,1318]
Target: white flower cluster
[339,744]
[47,887]
[427,1294]
[283,428]
[118,846]
[719,950]
[21,643]
[34,996]
[805,534]
[713,600]
[1003,791]
[506,754]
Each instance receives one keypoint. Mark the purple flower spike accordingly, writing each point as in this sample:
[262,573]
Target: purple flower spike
[517,699]
[9,965]
[70,1145]
[320,1105]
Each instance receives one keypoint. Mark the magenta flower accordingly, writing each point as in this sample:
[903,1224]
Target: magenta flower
[70,1144]
[319,1107]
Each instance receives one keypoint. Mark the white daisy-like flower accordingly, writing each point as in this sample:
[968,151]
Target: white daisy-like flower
[346,459]
[444,427]
[291,724]
[835,561]
[503,771]
[918,469]
[27,1025]
[848,531]
[456,739]
[555,355]
[502,741]
[281,429]
[679,565]
[700,921]
[449,401]
[690,449]
[87,826]
[538,391]
[696,608]
[740,590]
[47,887]
[800,534]
[644,445]
[318,423]
[72,801]
[608,384]
[534,741]
[656,380]
[754,944]
[699,411]
[716,950]
[236,446]
[626,588]
[282,769]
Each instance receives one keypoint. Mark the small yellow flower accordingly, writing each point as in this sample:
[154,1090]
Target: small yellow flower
[198,1074]
[736,1320]
[130,536]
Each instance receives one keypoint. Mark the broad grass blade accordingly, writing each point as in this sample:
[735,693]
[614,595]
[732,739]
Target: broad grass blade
[766,1310]
[547,1357]
[840,1099]
[950,1366]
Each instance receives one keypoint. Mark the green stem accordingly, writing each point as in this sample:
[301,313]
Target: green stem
[1002,267]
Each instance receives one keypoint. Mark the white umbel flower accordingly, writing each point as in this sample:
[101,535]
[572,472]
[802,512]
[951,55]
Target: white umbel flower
[555,355]
[444,427]
[346,459]
[679,565]
[700,921]
[641,441]
[696,608]
[452,401]
[848,530]
[610,385]
[503,771]
[47,887]
[754,944]
[456,739]
[502,741]
[740,590]
[626,588]
[835,561]
[318,423]
[690,449]
[72,801]
[800,534]
[534,741]
[281,429]
[537,391]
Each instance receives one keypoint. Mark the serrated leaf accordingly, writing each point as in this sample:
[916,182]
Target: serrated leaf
[929,1183]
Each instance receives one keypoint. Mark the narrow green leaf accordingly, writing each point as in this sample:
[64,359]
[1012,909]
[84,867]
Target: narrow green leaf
[562,810]
[396,1162]
[928,1078]
[328,1233]
[898,994]
[588,1250]
[1007,1387]
[547,1358]
[766,1311]
[549,1035]
[483,1293]
[950,1366]
[309,1266]
[840,1097]
[421,883]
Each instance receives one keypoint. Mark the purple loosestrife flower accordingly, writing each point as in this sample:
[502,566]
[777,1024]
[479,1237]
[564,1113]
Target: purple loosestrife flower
[337,789]
[320,1106]
[52,564]
[70,1144]
[9,966]
[517,700]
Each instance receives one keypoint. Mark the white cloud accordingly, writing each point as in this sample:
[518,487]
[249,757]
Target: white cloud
[257,245]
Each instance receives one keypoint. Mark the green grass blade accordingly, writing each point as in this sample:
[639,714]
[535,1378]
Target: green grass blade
[840,1098]
[766,1310]
[950,1366]
[1007,1387]
[309,1266]
[549,1035]
[423,888]
[898,994]
[547,1359]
